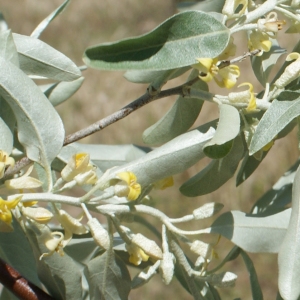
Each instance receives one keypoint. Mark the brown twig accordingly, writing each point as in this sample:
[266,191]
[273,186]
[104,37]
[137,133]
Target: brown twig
[19,286]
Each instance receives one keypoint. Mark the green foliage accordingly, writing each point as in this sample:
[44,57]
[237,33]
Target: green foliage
[87,259]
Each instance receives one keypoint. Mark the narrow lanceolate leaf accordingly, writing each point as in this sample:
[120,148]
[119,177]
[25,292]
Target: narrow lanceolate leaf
[215,174]
[175,43]
[254,283]
[276,118]
[108,277]
[253,233]
[43,25]
[59,92]
[177,120]
[40,129]
[38,58]
[288,257]
[228,128]
[8,48]
[6,141]
[173,157]
[262,65]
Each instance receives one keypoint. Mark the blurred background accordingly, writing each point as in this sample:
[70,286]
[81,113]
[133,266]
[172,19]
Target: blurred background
[86,23]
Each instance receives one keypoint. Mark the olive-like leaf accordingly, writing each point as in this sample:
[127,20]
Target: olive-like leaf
[215,174]
[44,24]
[253,233]
[288,257]
[254,283]
[173,157]
[276,118]
[228,128]
[8,48]
[38,58]
[204,5]
[108,277]
[40,129]
[177,120]
[59,92]
[174,44]
[262,65]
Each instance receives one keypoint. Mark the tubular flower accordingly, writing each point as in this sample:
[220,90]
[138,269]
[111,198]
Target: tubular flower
[38,214]
[291,72]
[270,23]
[5,161]
[137,255]
[54,244]
[224,77]
[71,226]
[128,187]
[164,183]
[230,7]
[80,169]
[6,207]
[259,41]
[23,182]
[244,97]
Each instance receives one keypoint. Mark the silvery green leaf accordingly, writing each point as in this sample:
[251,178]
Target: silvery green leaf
[178,119]
[228,128]
[215,174]
[164,161]
[40,129]
[254,283]
[15,249]
[6,141]
[288,257]
[38,58]
[44,24]
[8,48]
[7,295]
[3,24]
[108,277]
[253,233]
[175,43]
[141,76]
[279,196]
[275,119]
[204,5]
[60,274]
[262,65]
[59,92]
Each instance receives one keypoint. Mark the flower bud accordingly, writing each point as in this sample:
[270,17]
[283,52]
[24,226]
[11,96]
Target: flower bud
[167,267]
[38,214]
[99,234]
[147,245]
[202,249]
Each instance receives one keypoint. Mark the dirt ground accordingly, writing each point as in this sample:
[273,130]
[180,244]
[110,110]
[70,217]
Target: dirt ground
[86,23]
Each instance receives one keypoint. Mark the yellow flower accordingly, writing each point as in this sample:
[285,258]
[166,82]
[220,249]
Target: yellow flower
[259,41]
[38,214]
[244,97]
[71,226]
[291,72]
[54,244]
[6,207]
[80,169]
[230,7]
[128,187]
[270,24]
[23,182]
[137,255]
[224,77]
[5,161]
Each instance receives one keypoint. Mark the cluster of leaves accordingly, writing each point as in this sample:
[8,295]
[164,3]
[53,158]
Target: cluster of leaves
[117,180]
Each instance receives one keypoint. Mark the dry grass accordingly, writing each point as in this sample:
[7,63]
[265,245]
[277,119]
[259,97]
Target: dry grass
[86,23]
